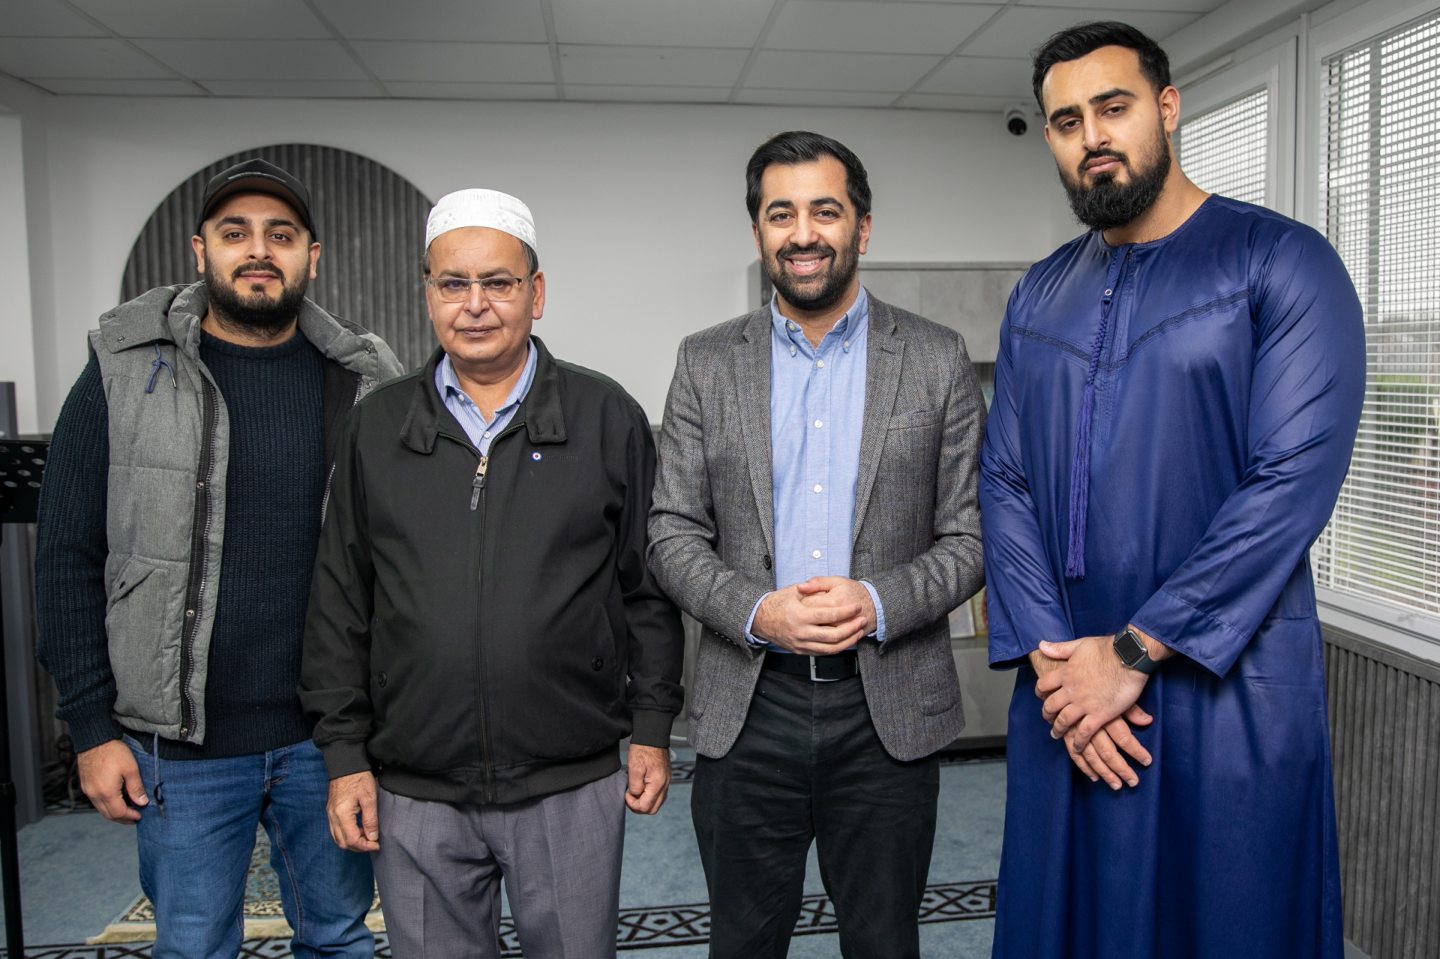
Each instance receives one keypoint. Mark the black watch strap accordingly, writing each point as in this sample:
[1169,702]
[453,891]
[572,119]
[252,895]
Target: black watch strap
[1132,652]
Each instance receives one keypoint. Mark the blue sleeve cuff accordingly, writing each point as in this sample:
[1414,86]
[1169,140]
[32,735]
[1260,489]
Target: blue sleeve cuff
[750,637]
[879,611]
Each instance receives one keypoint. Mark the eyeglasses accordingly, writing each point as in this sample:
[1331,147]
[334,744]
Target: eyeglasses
[456,289]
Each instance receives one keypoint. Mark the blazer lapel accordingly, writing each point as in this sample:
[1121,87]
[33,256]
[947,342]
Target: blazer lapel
[883,354]
[752,384]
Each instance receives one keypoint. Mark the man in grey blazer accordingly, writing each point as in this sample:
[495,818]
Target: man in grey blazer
[815,509]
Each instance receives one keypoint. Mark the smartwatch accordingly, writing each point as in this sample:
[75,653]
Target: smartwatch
[1131,649]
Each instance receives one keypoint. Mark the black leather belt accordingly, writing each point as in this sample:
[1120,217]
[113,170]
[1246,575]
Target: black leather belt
[815,668]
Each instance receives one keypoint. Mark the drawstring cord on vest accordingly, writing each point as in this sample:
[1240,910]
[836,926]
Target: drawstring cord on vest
[155,366]
[157,793]
[1080,462]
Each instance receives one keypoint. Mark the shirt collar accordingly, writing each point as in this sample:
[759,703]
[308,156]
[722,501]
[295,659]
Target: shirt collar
[449,384]
[845,330]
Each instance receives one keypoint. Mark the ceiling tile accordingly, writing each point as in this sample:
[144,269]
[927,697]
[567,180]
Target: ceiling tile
[675,23]
[981,76]
[1117,6]
[646,94]
[877,27]
[815,98]
[280,89]
[992,4]
[1019,30]
[101,59]
[256,59]
[837,71]
[457,62]
[950,101]
[253,19]
[472,91]
[657,66]
[123,88]
[45,18]
[494,21]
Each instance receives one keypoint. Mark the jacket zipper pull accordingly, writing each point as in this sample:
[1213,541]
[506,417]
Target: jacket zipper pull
[478,483]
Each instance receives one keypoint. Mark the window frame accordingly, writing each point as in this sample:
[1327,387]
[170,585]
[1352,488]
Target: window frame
[1274,70]
[1410,630]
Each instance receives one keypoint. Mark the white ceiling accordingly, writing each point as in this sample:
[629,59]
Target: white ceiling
[925,54]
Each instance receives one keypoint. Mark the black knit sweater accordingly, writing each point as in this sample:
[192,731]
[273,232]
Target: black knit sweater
[273,490]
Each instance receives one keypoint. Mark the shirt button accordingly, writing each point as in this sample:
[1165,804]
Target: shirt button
[486,434]
[792,351]
[814,554]
[818,487]
[1108,292]
[820,364]
[819,424]
[846,344]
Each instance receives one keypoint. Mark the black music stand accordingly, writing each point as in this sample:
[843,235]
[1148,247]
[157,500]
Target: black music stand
[22,463]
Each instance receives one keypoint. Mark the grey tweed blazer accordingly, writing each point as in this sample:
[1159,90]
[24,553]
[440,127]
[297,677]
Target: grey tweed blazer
[916,529]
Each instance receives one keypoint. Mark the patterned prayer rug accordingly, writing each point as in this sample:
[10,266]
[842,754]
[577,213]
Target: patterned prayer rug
[264,918]
[655,927]
[267,933]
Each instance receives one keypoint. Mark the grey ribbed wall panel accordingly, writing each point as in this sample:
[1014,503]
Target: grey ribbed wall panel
[371,223]
[1385,732]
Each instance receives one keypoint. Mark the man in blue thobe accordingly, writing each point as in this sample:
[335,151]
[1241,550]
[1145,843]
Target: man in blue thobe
[1176,396]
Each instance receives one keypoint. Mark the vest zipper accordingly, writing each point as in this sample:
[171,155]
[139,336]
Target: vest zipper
[199,534]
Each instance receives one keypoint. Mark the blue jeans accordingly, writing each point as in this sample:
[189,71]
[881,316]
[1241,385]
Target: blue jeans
[198,833]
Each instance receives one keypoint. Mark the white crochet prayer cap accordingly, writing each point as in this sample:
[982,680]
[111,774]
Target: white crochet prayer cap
[488,208]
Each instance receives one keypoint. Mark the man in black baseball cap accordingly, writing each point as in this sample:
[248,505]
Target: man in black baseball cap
[173,584]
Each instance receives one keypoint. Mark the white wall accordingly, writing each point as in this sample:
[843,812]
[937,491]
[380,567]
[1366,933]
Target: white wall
[16,358]
[642,229]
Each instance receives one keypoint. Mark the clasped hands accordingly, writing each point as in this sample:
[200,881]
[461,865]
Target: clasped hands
[822,616]
[1089,699]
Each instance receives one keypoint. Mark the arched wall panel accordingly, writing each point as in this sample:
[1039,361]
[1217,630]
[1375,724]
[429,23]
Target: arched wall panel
[371,223]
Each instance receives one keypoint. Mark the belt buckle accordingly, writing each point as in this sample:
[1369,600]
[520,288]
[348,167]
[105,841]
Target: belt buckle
[813,677]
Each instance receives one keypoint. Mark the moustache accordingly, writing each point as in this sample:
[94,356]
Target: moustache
[1097,154]
[257,268]
[819,246]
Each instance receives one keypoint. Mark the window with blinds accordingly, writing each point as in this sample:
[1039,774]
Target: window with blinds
[1226,150]
[1380,196]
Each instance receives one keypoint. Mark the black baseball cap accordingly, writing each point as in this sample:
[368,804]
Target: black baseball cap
[256,176]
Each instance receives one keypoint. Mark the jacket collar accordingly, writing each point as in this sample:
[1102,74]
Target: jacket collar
[883,357]
[756,328]
[541,411]
[173,313]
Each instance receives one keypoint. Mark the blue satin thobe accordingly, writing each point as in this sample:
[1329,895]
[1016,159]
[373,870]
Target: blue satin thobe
[1227,391]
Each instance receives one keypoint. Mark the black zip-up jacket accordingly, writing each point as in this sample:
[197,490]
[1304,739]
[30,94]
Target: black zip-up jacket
[485,630]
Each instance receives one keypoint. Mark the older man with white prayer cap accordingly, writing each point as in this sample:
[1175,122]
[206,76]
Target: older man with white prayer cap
[483,631]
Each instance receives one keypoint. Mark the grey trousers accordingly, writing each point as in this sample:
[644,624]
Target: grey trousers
[439,870]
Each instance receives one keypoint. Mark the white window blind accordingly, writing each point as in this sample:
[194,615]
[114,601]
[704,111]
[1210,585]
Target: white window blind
[1380,193]
[1225,150]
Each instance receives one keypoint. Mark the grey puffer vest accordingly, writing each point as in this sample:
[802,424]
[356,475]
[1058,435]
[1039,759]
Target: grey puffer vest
[165,511]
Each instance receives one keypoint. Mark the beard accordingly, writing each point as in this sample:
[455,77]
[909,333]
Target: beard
[255,311]
[1107,203]
[821,290]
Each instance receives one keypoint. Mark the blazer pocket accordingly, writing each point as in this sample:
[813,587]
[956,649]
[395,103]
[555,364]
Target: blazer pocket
[914,419]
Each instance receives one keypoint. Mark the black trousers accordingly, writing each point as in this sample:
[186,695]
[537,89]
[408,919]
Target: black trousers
[809,765]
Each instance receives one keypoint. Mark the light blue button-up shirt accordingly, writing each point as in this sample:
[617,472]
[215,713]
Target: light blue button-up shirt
[817,411]
[459,403]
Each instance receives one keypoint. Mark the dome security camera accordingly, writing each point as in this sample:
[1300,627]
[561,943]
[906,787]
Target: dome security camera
[1015,121]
